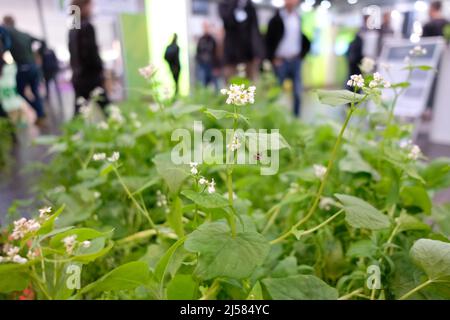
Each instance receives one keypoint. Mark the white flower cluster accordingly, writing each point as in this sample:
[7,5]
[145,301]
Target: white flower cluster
[70,243]
[326,203]
[102,156]
[235,144]
[134,118]
[320,171]
[116,115]
[12,255]
[102,125]
[161,201]
[148,71]
[367,65]
[379,81]
[24,226]
[97,92]
[238,95]
[211,185]
[356,81]
[418,51]
[414,151]
[194,168]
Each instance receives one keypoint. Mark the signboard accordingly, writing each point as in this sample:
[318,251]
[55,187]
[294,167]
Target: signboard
[415,99]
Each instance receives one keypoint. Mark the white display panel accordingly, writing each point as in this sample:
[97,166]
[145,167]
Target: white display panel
[415,99]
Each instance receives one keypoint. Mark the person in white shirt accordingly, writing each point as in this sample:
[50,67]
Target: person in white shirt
[287,46]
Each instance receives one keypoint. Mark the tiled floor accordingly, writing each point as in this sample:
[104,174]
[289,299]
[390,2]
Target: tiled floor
[17,183]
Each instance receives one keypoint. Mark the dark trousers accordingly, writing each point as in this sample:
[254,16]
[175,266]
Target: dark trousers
[28,75]
[291,69]
[205,75]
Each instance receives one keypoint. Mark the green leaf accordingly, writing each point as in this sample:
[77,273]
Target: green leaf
[163,263]
[353,162]
[361,249]
[209,201]
[124,277]
[338,97]
[407,222]
[13,281]
[182,287]
[82,234]
[222,255]
[173,175]
[300,287]
[256,293]
[360,214]
[416,196]
[433,257]
[267,141]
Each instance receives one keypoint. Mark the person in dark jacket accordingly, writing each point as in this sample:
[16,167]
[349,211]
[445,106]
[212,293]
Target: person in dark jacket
[50,70]
[287,46]
[85,60]
[172,57]
[28,73]
[206,57]
[435,27]
[355,55]
[243,43]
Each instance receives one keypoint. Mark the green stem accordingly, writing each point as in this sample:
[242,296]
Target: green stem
[231,220]
[133,199]
[212,291]
[416,289]
[334,216]
[325,179]
[351,294]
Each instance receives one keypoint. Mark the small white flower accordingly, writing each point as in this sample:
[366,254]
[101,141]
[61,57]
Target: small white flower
[238,95]
[154,107]
[43,212]
[97,92]
[326,203]
[235,144]
[99,156]
[405,143]
[103,126]
[116,115]
[2,259]
[97,194]
[114,157]
[378,81]
[194,169]
[320,171]
[148,71]
[11,251]
[32,254]
[212,186]
[367,65]
[81,101]
[414,153]
[86,244]
[69,243]
[356,80]
[418,51]
[202,181]
[18,259]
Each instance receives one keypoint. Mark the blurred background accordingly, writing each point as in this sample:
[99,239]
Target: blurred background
[128,35]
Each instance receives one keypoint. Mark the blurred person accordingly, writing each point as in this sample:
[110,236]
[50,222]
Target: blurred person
[172,57]
[28,73]
[50,70]
[385,30]
[435,27]
[287,46]
[5,43]
[355,55]
[12,103]
[206,58]
[85,60]
[243,43]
